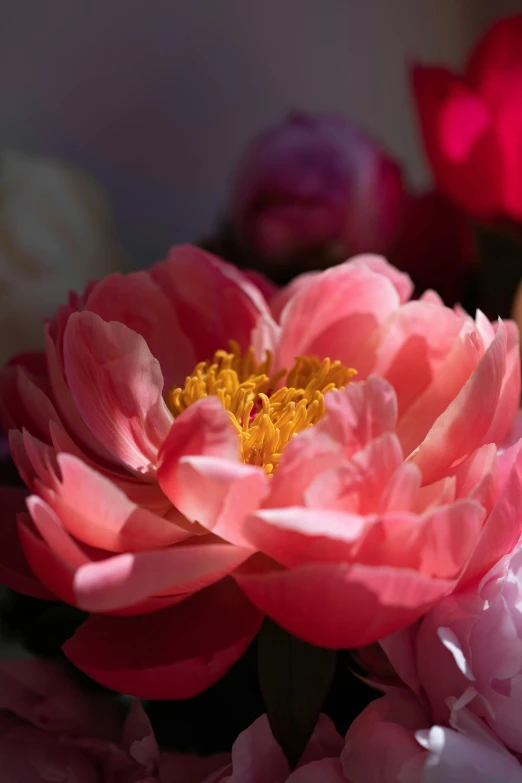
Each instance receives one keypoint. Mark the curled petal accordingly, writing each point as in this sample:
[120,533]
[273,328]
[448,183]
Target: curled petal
[166,655]
[117,385]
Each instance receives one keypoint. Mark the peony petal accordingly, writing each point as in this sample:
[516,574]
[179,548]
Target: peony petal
[199,470]
[335,314]
[340,605]
[464,424]
[15,572]
[125,580]
[509,398]
[214,301]
[117,385]
[138,302]
[502,528]
[95,511]
[451,375]
[167,655]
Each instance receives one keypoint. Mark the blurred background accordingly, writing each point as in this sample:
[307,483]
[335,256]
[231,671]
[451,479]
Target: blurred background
[158,100]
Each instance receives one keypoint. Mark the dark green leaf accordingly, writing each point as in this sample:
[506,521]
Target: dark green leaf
[294,677]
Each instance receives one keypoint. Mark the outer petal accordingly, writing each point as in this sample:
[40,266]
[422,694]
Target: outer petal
[14,568]
[199,470]
[340,606]
[502,529]
[125,580]
[167,655]
[465,423]
[94,510]
[117,385]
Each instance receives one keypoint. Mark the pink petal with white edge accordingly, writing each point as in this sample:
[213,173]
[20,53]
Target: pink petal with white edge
[117,385]
[138,302]
[125,580]
[465,423]
[335,315]
[199,470]
[15,572]
[96,512]
[166,655]
[502,528]
[340,606]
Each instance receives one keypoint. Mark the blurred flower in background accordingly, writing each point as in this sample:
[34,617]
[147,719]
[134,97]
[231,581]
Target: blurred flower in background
[472,125]
[56,233]
[314,189]
[316,181]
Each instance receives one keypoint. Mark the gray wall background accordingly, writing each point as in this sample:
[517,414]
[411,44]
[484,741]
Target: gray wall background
[157,98]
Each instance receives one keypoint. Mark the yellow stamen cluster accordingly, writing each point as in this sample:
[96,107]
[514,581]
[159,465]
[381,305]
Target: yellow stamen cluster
[264,414]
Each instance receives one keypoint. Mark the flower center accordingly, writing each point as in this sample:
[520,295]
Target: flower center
[265,414]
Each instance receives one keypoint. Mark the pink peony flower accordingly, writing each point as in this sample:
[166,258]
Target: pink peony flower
[313,182]
[367,518]
[51,730]
[394,741]
[257,758]
[343,506]
[471,643]
[87,420]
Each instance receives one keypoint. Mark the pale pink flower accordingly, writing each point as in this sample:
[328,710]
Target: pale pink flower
[51,730]
[343,506]
[471,643]
[87,421]
[367,518]
[393,741]
[257,758]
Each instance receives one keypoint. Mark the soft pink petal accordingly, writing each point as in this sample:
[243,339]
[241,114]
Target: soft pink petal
[285,294]
[117,385]
[335,314]
[214,301]
[200,471]
[341,606]
[509,399]
[451,376]
[464,424]
[166,655]
[68,410]
[502,529]
[408,352]
[381,740]
[137,301]
[94,510]
[125,580]
[379,264]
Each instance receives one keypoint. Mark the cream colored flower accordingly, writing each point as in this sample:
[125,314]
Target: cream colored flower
[56,233]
